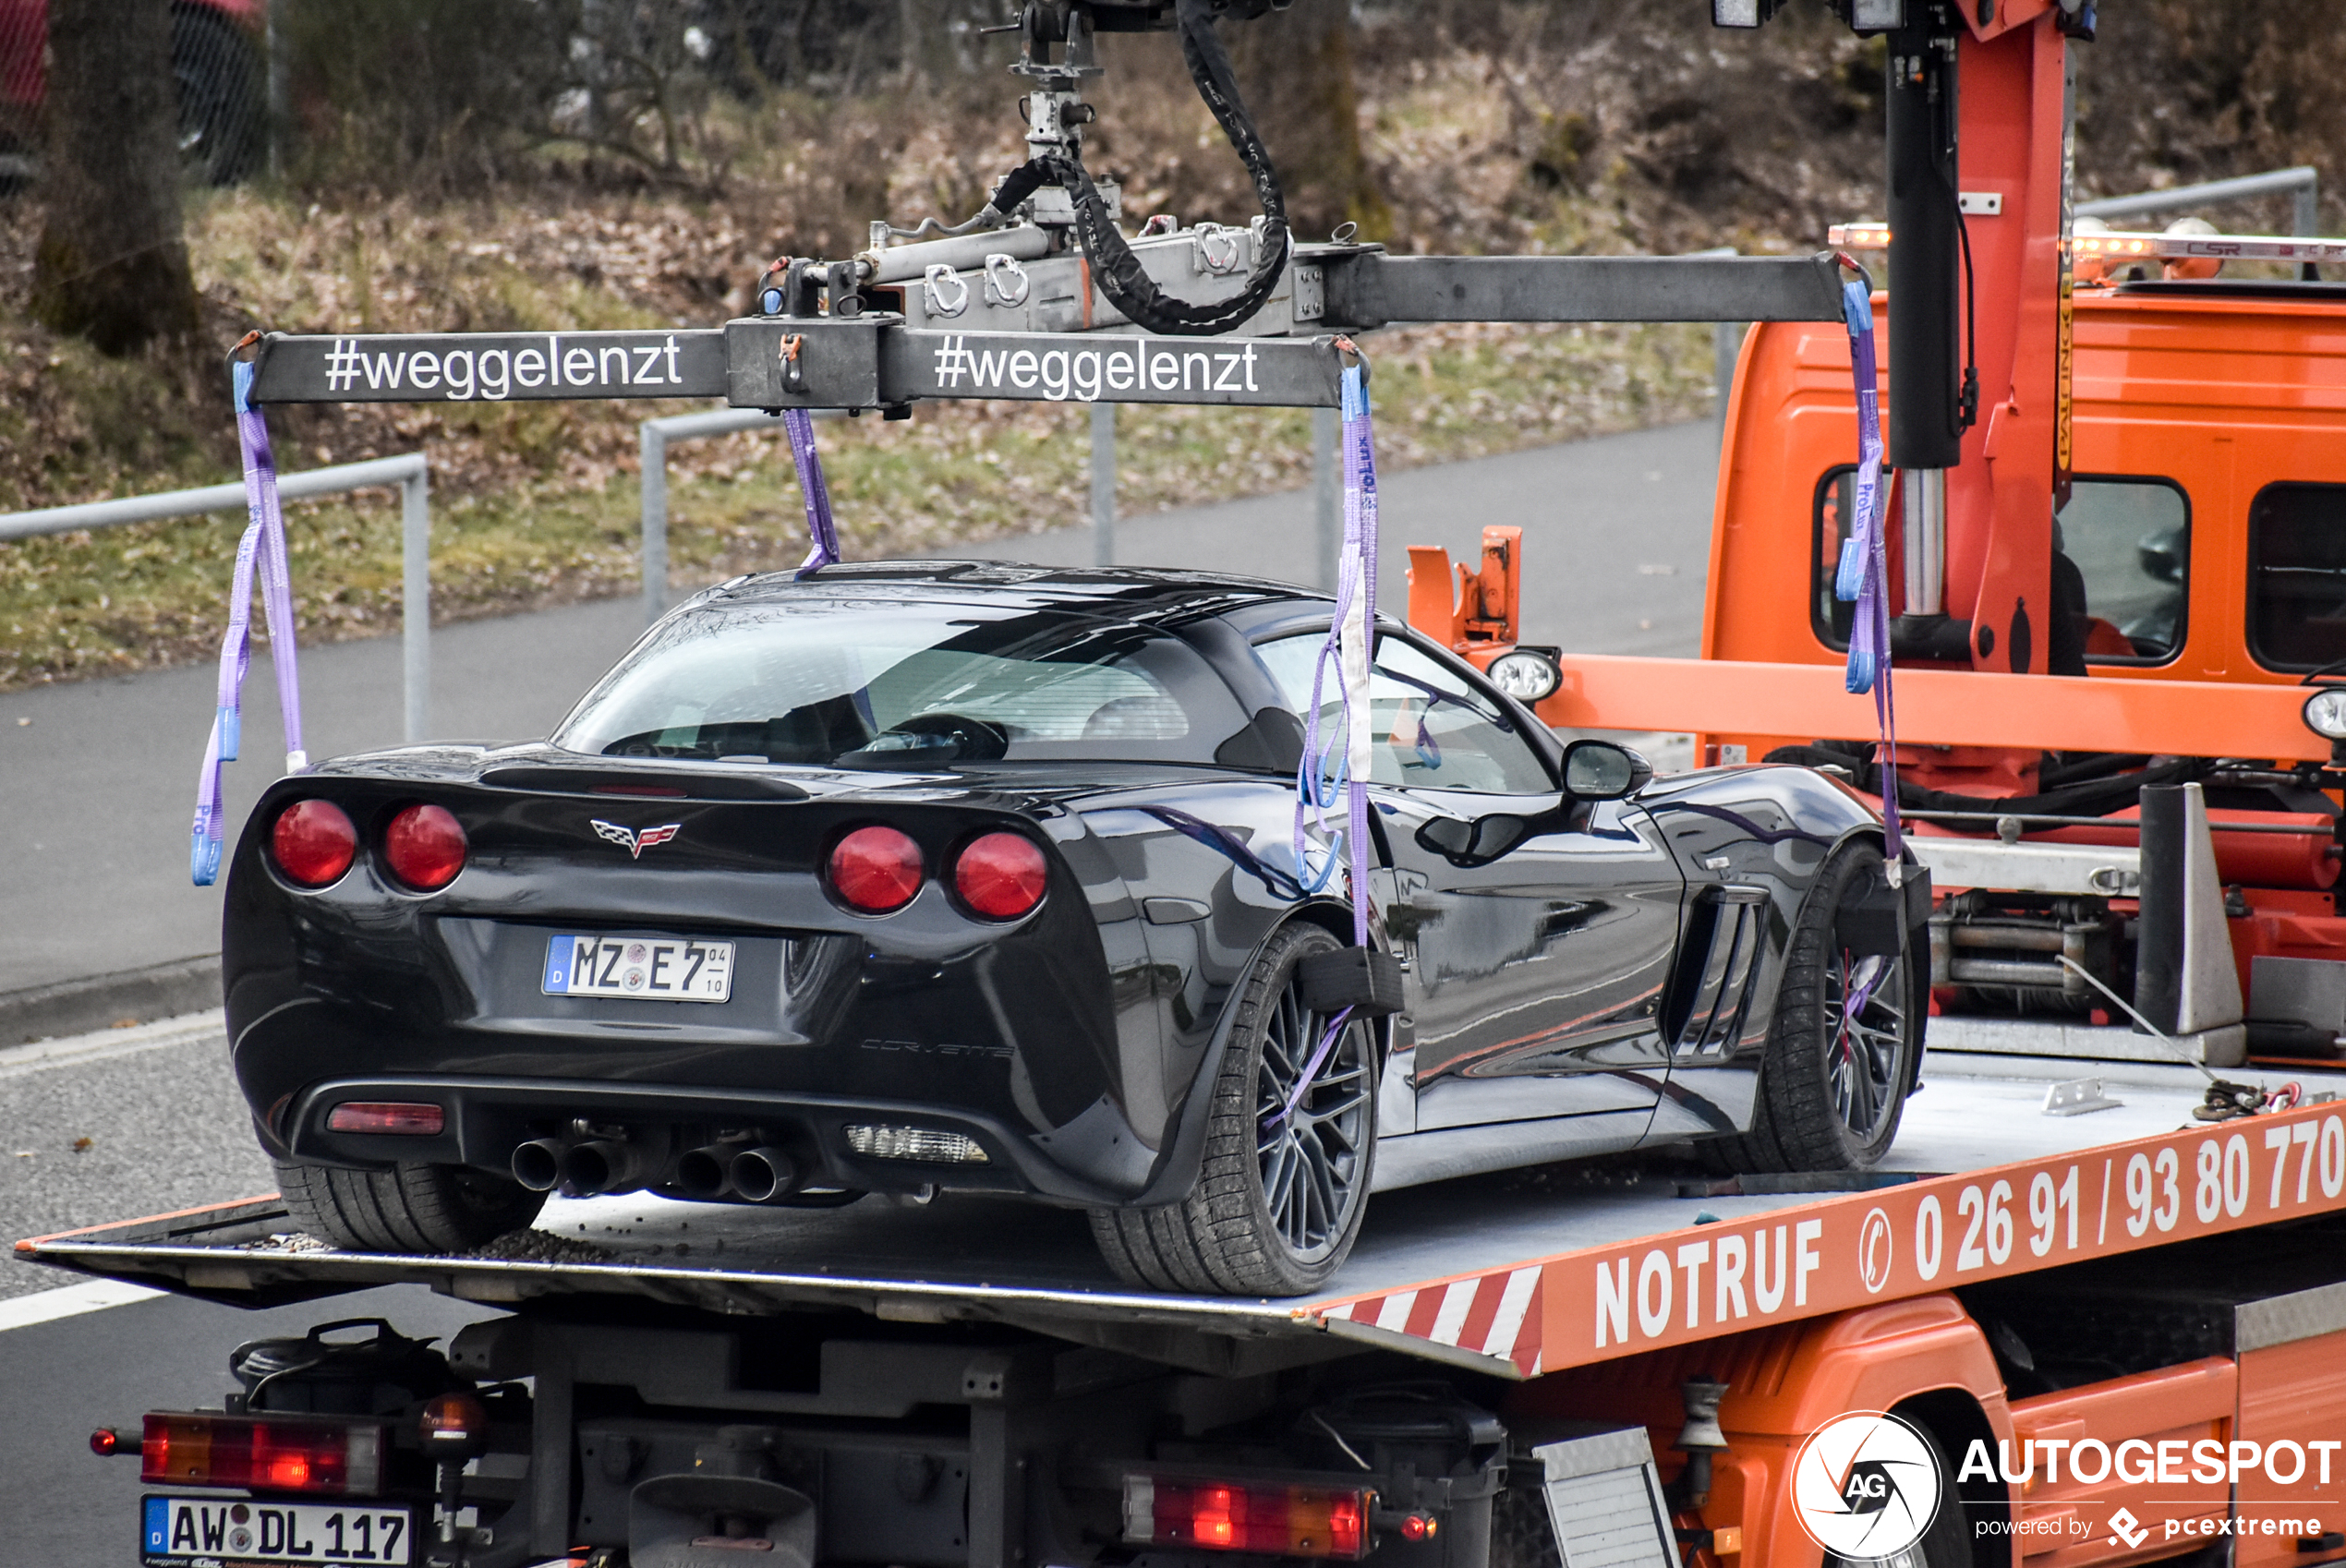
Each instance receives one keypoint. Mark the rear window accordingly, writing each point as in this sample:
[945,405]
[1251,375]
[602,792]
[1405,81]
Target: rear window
[826,681]
[2297,577]
[2129,538]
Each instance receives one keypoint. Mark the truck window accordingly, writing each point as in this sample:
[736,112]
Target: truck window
[2130,539]
[2297,577]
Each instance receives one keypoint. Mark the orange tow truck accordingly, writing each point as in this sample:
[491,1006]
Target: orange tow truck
[2128,569]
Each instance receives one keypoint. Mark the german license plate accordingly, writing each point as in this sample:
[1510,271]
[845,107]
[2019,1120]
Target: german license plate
[641,969]
[178,1532]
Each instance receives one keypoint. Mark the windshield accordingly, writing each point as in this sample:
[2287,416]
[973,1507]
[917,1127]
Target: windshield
[834,681]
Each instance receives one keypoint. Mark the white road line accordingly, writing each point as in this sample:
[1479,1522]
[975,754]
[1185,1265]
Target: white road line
[75,1049]
[48,1305]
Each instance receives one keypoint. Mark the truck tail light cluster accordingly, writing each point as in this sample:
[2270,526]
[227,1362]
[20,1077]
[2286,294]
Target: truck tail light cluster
[1251,1516]
[320,1455]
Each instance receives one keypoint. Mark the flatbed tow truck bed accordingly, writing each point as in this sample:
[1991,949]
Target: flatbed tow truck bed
[1511,1276]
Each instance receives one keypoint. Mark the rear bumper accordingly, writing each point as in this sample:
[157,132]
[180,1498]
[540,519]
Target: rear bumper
[487,1118]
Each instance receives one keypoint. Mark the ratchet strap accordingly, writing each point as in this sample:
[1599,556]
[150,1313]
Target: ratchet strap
[1864,574]
[262,548]
[1350,647]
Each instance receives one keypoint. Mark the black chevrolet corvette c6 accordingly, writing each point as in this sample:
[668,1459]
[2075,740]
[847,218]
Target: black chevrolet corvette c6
[954,877]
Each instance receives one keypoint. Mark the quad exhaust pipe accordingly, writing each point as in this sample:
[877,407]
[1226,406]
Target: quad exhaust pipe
[578,1170]
[594,1166]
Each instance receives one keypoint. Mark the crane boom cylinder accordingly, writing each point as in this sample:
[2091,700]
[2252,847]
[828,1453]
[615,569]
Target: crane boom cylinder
[1926,428]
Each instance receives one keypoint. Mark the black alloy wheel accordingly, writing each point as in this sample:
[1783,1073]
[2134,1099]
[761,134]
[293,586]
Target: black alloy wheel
[1845,1043]
[1285,1180]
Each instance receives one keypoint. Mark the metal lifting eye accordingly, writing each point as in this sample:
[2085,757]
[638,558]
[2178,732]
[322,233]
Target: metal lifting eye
[946,292]
[1218,248]
[1005,281]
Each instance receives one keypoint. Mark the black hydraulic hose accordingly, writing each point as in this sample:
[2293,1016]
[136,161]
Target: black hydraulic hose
[1115,268]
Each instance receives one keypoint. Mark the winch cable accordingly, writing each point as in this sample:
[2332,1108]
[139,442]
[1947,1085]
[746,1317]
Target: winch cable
[263,548]
[1351,644]
[1864,578]
[1115,268]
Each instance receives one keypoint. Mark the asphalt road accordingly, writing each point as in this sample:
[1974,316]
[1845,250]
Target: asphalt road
[102,778]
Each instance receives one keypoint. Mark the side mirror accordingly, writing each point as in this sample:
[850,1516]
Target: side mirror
[1599,770]
[1478,842]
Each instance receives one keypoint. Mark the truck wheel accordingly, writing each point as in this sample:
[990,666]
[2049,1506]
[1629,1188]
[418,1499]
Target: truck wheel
[1833,1085]
[411,1208]
[1279,1196]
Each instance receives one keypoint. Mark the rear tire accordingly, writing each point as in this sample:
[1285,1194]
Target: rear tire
[1278,1199]
[1833,1089]
[411,1208]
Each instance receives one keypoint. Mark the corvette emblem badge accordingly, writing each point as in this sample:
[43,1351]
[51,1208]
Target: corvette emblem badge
[636,842]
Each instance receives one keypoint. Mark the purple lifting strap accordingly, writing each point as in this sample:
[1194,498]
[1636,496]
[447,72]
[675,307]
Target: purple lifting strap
[1864,574]
[262,548]
[801,427]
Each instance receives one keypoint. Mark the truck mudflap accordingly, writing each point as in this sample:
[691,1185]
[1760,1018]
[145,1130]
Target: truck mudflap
[1510,1276]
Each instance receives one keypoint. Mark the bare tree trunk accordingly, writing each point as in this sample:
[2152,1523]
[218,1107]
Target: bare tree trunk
[112,265]
[1295,69]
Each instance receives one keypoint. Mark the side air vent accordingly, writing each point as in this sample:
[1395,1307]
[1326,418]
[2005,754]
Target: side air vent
[1713,983]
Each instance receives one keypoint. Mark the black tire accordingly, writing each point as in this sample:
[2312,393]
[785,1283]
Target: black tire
[223,119]
[411,1208]
[1278,1203]
[1831,1097]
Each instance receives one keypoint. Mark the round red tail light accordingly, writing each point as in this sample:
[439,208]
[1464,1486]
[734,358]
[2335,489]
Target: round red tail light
[313,842]
[1000,875]
[876,869]
[425,847]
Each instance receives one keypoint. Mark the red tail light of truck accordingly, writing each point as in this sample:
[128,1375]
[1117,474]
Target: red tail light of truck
[324,1456]
[1251,1516]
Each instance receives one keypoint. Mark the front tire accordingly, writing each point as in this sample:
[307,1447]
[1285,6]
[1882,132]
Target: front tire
[1832,1086]
[410,1208]
[1285,1179]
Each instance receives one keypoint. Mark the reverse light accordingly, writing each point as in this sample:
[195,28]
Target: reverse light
[313,842]
[876,869]
[1285,1521]
[916,1144]
[1000,875]
[394,1117]
[425,847]
[326,1456]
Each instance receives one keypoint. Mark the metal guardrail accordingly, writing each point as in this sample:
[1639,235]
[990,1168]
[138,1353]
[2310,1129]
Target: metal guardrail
[409,471]
[2303,181]
[653,437]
